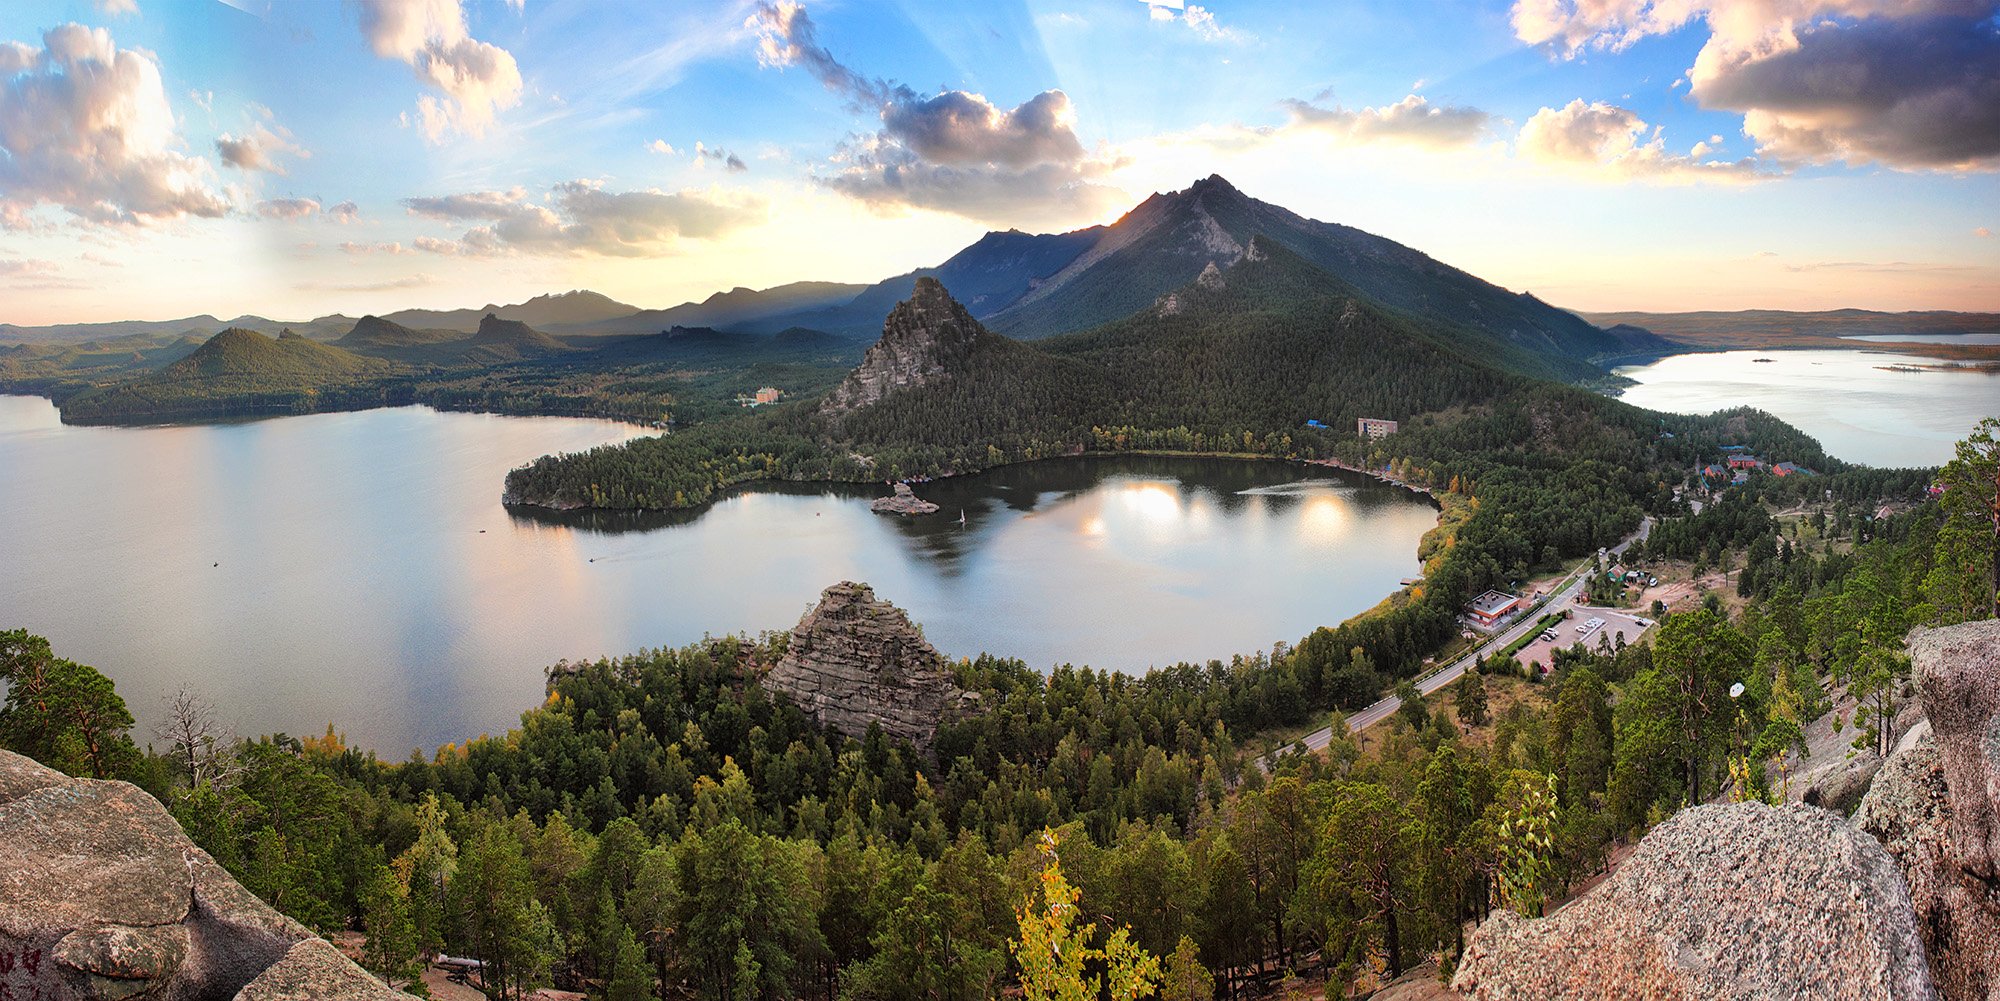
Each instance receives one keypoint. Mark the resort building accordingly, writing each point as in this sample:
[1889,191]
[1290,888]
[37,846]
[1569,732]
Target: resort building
[1745,461]
[1375,428]
[769,394]
[1791,468]
[1492,608]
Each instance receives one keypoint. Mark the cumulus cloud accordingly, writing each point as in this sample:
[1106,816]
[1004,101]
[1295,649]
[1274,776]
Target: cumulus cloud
[1412,120]
[117,8]
[1983,233]
[475,79]
[660,146]
[1197,18]
[953,151]
[711,154]
[1914,84]
[1611,141]
[85,125]
[289,209]
[259,147]
[344,212]
[581,217]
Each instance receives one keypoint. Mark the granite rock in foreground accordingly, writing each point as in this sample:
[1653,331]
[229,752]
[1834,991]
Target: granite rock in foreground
[103,896]
[1936,808]
[1738,901]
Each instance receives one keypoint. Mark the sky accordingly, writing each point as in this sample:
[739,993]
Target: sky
[294,159]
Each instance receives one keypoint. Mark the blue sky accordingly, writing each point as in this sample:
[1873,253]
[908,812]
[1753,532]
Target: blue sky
[295,159]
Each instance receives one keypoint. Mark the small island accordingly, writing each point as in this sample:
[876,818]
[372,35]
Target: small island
[903,502]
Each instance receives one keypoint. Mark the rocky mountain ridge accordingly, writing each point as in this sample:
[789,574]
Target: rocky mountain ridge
[856,661]
[923,339]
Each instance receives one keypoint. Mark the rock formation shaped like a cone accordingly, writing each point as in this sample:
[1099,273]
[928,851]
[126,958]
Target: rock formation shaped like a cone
[856,660]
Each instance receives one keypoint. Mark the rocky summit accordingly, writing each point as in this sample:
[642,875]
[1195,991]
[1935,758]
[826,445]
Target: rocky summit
[1738,901]
[1936,808]
[103,896]
[925,337]
[856,660]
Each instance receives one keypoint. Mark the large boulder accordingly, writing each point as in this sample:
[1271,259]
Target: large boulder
[855,661]
[1936,808]
[1737,901]
[103,896]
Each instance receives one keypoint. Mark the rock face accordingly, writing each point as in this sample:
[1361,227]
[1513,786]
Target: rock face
[1936,808]
[102,896]
[856,660]
[1739,901]
[925,337]
[902,501]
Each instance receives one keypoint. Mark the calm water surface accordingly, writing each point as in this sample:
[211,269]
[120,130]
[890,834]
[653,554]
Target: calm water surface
[1859,411]
[358,568]
[1975,338]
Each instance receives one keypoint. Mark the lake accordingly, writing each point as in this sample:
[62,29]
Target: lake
[359,569]
[1972,338]
[1859,411]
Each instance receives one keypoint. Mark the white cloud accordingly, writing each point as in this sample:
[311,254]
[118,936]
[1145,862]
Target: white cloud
[580,217]
[86,126]
[288,209]
[360,249]
[117,8]
[1197,18]
[258,148]
[26,266]
[344,212]
[953,151]
[1608,141]
[1412,120]
[476,78]
[1914,84]
[660,146]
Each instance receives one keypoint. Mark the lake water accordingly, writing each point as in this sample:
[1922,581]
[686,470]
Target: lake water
[1978,338]
[1859,411]
[359,568]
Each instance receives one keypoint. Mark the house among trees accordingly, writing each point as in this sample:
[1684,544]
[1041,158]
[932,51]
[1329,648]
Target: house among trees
[1492,608]
[1791,468]
[1375,428]
[769,394]
[1744,460]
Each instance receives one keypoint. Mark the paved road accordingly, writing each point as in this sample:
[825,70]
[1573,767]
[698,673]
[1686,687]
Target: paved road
[1565,594]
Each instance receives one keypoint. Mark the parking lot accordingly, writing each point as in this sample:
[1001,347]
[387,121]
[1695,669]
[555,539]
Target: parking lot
[1615,624]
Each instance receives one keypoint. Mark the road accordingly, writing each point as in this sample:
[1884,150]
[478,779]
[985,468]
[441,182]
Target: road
[1565,594]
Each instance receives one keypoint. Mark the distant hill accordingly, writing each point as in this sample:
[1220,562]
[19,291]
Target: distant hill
[1170,238]
[502,339]
[1775,328]
[373,333]
[754,310]
[237,352]
[565,309]
[237,372]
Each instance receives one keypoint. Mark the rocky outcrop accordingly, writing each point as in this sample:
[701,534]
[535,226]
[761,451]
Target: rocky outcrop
[856,660]
[102,896]
[1936,808]
[902,501]
[1737,901]
[925,337]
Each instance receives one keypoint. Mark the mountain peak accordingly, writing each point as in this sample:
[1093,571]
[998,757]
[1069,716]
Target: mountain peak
[1216,183]
[924,339]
